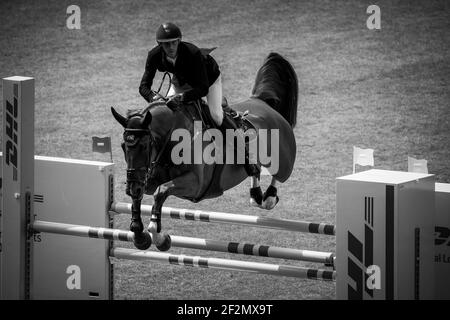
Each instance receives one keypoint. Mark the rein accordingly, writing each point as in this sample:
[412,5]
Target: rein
[153,164]
[162,82]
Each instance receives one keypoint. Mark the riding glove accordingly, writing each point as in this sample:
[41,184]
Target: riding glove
[153,96]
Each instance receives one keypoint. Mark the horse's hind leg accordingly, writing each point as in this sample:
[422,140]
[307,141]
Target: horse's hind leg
[180,186]
[270,198]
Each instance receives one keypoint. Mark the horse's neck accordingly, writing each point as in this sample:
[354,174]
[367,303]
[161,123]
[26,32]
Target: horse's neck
[162,120]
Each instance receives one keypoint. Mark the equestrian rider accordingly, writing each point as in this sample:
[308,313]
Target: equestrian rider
[195,75]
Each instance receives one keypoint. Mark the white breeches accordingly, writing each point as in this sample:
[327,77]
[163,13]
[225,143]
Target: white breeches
[213,98]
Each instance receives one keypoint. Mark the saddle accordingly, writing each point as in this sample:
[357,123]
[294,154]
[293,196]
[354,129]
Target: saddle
[240,119]
[199,111]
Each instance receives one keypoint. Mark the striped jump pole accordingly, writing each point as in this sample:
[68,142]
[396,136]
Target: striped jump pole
[225,264]
[228,218]
[187,242]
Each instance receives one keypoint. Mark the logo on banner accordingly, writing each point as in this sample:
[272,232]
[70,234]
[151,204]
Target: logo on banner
[360,258]
[12,133]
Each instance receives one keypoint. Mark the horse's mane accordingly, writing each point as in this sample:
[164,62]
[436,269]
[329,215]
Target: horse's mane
[276,84]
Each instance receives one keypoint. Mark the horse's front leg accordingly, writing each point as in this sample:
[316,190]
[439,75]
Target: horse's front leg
[162,241]
[185,186]
[141,239]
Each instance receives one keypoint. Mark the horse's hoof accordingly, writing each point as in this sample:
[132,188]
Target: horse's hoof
[270,203]
[270,198]
[142,241]
[164,242]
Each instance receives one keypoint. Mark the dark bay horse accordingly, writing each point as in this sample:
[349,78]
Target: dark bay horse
[149,146]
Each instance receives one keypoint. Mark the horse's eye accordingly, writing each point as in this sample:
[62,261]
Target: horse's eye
[130,138]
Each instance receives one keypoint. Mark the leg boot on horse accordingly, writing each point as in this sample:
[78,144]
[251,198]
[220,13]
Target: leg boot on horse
[142,240]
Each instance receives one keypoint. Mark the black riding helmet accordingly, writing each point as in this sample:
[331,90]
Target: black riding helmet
[168,32]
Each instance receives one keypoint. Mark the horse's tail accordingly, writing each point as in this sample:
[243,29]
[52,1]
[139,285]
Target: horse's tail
[276,84]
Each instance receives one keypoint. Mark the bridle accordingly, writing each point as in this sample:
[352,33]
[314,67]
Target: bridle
[148,171]
[132,138]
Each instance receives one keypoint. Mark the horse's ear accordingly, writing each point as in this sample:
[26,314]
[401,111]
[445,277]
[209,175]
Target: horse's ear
[147,120]
[121,119]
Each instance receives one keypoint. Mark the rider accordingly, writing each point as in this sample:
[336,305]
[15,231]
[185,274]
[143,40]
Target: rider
[194,76]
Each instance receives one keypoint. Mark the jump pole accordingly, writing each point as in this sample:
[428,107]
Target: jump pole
[228,218]
[326,258]
[225,264]
[184,260]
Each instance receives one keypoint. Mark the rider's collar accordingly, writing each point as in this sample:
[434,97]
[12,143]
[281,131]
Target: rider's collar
[171,60]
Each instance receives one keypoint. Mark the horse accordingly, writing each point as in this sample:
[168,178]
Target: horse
[149,144]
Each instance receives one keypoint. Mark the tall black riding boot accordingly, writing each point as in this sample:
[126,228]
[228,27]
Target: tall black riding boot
[251,169]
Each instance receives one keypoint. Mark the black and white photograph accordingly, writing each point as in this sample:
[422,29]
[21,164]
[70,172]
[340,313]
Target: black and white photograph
[247,152]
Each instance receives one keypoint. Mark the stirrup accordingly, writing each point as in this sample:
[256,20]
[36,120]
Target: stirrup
[235,114]
[238,119]
[244,114]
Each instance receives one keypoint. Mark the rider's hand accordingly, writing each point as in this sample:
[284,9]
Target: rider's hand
[154,96]
[175,102]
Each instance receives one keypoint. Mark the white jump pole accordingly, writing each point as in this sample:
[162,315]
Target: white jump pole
[225,264]
[188,242]
[18,187]
[228,218]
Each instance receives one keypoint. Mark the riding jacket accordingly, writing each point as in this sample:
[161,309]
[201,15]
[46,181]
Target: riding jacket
[191,67]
